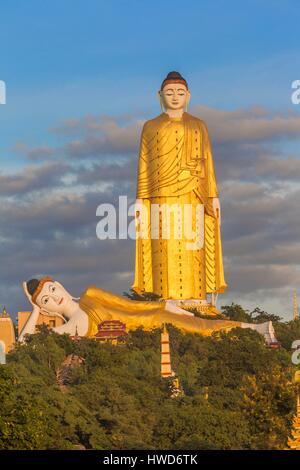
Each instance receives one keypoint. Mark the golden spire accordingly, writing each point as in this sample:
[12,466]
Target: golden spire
[166,369]
[4,312]
[295,307]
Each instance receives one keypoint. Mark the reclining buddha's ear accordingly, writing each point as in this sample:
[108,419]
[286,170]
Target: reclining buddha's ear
[59,285]
[68,293]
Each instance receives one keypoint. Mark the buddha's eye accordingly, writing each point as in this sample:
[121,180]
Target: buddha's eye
[46,300]
[52,288]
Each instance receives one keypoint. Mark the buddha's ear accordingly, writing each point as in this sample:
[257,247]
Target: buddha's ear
[187,102]
[160,99]
[58,284]
[62,287]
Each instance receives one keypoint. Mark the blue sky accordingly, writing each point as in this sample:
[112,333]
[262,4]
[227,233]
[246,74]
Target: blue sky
[69,59]
[61,58]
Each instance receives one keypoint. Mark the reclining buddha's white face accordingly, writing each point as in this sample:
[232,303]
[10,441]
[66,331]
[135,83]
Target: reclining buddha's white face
[54,298]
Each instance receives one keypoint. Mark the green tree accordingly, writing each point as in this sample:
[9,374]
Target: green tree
[236,312]
[238,394]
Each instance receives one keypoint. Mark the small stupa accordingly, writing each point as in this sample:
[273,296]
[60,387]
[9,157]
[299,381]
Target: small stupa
[166,368]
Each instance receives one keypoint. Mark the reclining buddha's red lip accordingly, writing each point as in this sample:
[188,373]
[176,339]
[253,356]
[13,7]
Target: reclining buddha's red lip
[60,301]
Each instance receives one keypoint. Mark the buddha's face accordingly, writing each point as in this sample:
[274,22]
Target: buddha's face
[175,96]
[54,298]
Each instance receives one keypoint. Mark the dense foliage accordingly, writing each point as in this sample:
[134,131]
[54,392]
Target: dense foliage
[238,394]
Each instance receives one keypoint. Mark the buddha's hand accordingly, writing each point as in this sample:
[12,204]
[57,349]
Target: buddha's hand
[35,308]
[216,208]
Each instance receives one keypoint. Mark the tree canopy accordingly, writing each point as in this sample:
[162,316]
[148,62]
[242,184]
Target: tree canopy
[238,394]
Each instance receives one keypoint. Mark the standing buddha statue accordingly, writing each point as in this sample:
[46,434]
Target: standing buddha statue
[176,170]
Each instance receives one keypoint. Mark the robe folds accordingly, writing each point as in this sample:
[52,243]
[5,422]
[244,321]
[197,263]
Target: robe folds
[176,177]
[101,305]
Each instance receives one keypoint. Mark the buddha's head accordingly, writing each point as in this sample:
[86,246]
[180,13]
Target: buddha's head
[174,93]
[50,296]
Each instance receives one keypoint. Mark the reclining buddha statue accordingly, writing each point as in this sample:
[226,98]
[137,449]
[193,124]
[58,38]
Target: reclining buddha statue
[83,315]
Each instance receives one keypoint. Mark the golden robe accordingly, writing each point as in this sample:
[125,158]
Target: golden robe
[102,305]
[176,167]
